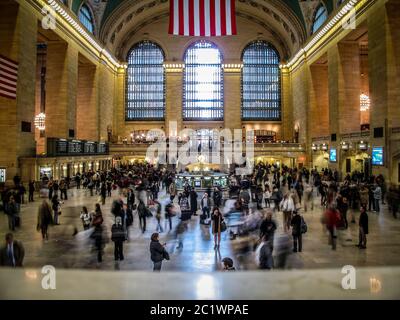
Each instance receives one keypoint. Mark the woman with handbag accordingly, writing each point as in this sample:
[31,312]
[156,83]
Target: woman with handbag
[157,252]
[218,226]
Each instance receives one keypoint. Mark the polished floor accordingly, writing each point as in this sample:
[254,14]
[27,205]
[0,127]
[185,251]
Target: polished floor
[63,250]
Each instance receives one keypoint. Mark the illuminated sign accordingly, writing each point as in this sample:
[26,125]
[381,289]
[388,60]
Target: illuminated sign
[332,155]
[377,156]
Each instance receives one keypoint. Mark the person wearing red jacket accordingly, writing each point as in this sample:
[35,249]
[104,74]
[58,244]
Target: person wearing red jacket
[332,219]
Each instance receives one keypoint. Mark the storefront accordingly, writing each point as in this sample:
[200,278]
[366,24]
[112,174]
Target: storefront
[61,167]
[320,156]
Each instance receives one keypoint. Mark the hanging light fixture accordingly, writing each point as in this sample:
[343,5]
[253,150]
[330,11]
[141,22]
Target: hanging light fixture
[40,121]
[364,102]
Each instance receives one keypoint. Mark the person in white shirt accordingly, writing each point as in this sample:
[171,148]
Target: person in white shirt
[287,206]
[267,197]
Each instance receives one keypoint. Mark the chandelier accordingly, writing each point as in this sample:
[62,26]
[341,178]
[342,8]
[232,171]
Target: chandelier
[364,102]
[40,121]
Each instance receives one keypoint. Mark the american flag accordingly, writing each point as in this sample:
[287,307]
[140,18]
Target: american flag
[8,78]
[202,18]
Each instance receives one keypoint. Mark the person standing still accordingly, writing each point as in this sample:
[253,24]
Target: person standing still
[31,190]
[158,253]
[296,232]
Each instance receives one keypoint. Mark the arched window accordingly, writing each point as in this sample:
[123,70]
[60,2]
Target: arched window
[86,18]
[145,82]
[261,85]
[320,17]
[203,79]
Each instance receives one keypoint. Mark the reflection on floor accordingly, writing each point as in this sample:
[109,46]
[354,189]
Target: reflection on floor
[65,251]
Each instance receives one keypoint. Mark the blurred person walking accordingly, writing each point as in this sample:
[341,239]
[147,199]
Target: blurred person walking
[363,228]
[44,219]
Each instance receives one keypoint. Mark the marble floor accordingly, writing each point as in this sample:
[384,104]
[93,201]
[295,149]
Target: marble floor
[63,250]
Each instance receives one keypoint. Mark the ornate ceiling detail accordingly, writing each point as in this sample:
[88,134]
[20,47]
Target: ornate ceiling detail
[272,15]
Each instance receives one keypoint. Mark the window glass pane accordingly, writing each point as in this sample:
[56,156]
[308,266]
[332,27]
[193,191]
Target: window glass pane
[320,17]
[145,83]
[86,18]
[261,88]
[203,90]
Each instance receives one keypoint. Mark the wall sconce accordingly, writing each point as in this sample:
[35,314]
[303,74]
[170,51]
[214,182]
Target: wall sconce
[344,145]
[324,147]
[314,147]
[363,146]
[40,121]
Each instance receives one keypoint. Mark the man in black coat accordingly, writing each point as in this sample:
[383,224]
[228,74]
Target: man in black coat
[12,254]
[296,232]
[193,202]
[363,228]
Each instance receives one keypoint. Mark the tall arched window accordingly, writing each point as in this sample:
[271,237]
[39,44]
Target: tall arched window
[203,83]
[261,85]
[145,82]
[339,3]
[320,17]
[86,18]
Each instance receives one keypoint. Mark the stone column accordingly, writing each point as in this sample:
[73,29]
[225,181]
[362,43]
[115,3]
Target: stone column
[287,106]
[119,113]
[18,34]
[174,95]
[107,100]
[384,77]
[61,89]
[87,107]
[319,101]
[232,98]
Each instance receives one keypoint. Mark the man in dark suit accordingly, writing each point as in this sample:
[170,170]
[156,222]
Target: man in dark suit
[12,255]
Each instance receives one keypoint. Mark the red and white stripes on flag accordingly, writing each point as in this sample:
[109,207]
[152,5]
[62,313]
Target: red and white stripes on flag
[8,78]
[206,18]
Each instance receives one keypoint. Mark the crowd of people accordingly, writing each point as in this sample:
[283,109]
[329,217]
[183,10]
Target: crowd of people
[247,210]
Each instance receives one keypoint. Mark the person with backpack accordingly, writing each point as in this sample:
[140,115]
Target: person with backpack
[296,223]
[158,253]
[118,236]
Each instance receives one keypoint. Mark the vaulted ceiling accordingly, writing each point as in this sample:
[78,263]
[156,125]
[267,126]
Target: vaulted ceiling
[287,22]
